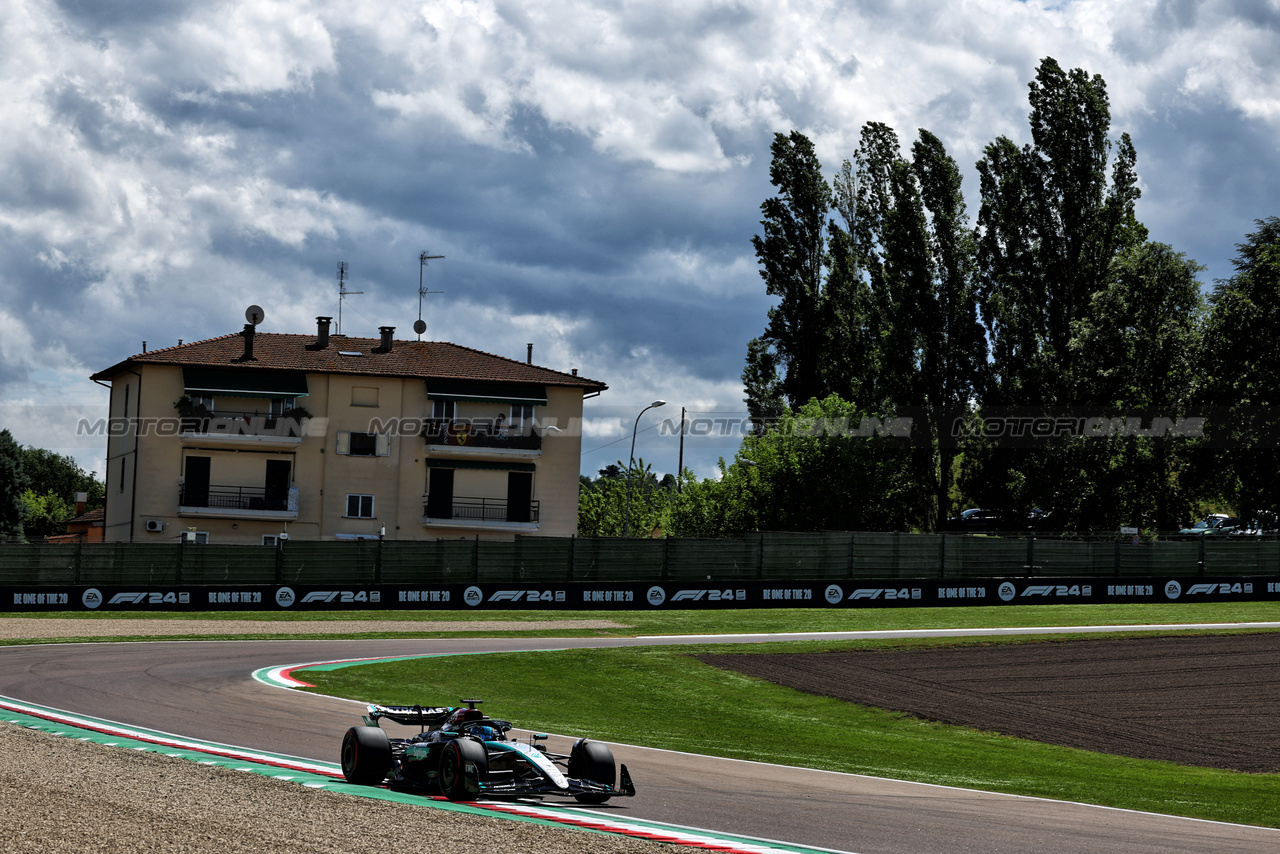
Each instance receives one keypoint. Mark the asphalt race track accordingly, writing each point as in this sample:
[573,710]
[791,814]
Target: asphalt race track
[204,690]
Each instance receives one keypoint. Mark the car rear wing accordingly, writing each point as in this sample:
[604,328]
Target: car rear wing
[423,716]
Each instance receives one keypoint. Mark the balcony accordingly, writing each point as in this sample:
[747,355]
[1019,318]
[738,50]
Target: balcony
[487,513]
[465,437]
[238,429]
[237,502]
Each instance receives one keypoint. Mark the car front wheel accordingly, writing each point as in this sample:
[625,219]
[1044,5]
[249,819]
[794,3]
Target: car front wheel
[463,764]
[591,760]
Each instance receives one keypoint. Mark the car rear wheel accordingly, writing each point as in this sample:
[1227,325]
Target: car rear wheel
[463,764]
[591,760]
[366,755]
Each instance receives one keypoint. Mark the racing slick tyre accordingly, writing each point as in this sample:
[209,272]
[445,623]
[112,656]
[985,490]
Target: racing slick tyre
[366,755]
[463,764]
[591,760]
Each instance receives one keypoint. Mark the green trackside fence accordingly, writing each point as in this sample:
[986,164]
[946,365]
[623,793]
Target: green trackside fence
[828,556]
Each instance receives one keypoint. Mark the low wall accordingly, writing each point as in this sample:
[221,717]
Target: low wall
[621,595]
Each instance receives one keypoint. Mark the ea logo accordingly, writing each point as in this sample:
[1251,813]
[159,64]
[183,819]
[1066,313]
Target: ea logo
[91,598]
[1173,590]
[1008,591]
[285,597]
[473,596]
[834,594]
[656,596]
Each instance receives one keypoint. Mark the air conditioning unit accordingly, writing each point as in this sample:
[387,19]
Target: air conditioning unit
[155,526]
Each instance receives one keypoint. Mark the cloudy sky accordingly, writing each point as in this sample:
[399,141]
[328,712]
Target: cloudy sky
[593,171]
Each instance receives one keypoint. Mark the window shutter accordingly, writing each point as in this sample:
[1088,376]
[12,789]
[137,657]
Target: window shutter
[384,445]
[344,442]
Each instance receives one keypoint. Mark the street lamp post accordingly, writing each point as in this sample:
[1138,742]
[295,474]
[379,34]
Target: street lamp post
[631,463]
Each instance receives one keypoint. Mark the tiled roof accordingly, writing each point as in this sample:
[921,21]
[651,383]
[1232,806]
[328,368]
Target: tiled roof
[425,359]
[96,517]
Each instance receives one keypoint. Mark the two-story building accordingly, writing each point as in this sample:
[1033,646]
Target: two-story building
[245,437]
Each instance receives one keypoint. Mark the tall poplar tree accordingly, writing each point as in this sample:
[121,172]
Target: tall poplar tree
[911,237]
[792,255]
[1049,226]
[1055,213]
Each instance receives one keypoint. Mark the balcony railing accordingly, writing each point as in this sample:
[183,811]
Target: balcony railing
[482,510]
[243,423]
[476,433]
[233,498]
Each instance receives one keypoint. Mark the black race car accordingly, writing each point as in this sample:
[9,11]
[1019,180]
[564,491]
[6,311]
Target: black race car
[464,755]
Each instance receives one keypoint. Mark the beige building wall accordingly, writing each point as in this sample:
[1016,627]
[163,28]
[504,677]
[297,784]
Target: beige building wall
[323,477]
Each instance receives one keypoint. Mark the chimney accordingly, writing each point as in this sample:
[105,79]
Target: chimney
[386,332]
[322,332]
[82,498]
[575,372]
[248,344]
[528,359]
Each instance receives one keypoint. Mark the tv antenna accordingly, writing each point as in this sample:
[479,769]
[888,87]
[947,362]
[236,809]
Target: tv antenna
[342,291]
[420,325]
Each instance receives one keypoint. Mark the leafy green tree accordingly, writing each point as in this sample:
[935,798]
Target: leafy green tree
[1048,228]
[13,481]
[45,514]
[911,237]
[817,469]
[791,253]
[1050,225]
[602,505]
[1138,346]
[1241,367]
[61,476]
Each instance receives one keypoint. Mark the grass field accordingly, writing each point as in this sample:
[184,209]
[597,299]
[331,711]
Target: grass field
[671,622]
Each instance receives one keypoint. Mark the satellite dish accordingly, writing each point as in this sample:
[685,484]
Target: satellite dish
[254,314]
[419,326]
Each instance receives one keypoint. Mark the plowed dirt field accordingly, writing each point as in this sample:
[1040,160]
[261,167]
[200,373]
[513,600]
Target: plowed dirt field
[1212,701]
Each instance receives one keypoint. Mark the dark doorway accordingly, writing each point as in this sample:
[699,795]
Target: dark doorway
[519,495]
[440,494]
[195,484]
[277,487]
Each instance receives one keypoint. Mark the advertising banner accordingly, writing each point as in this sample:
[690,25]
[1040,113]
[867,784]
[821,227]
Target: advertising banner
[615,596]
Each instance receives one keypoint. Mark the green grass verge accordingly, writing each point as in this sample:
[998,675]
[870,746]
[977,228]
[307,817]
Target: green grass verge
[662,697]
[650,622]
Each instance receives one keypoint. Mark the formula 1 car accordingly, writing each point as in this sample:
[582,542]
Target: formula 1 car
[465,755]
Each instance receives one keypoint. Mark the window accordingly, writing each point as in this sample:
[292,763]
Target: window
[364,395]
[200,538]
[359,506]
[271,539]
[279,405]
[521,418]
[364,444]
[442,410]
[122,474]
[126,401]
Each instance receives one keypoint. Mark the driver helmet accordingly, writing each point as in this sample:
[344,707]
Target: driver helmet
[486,733]
[461,716]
